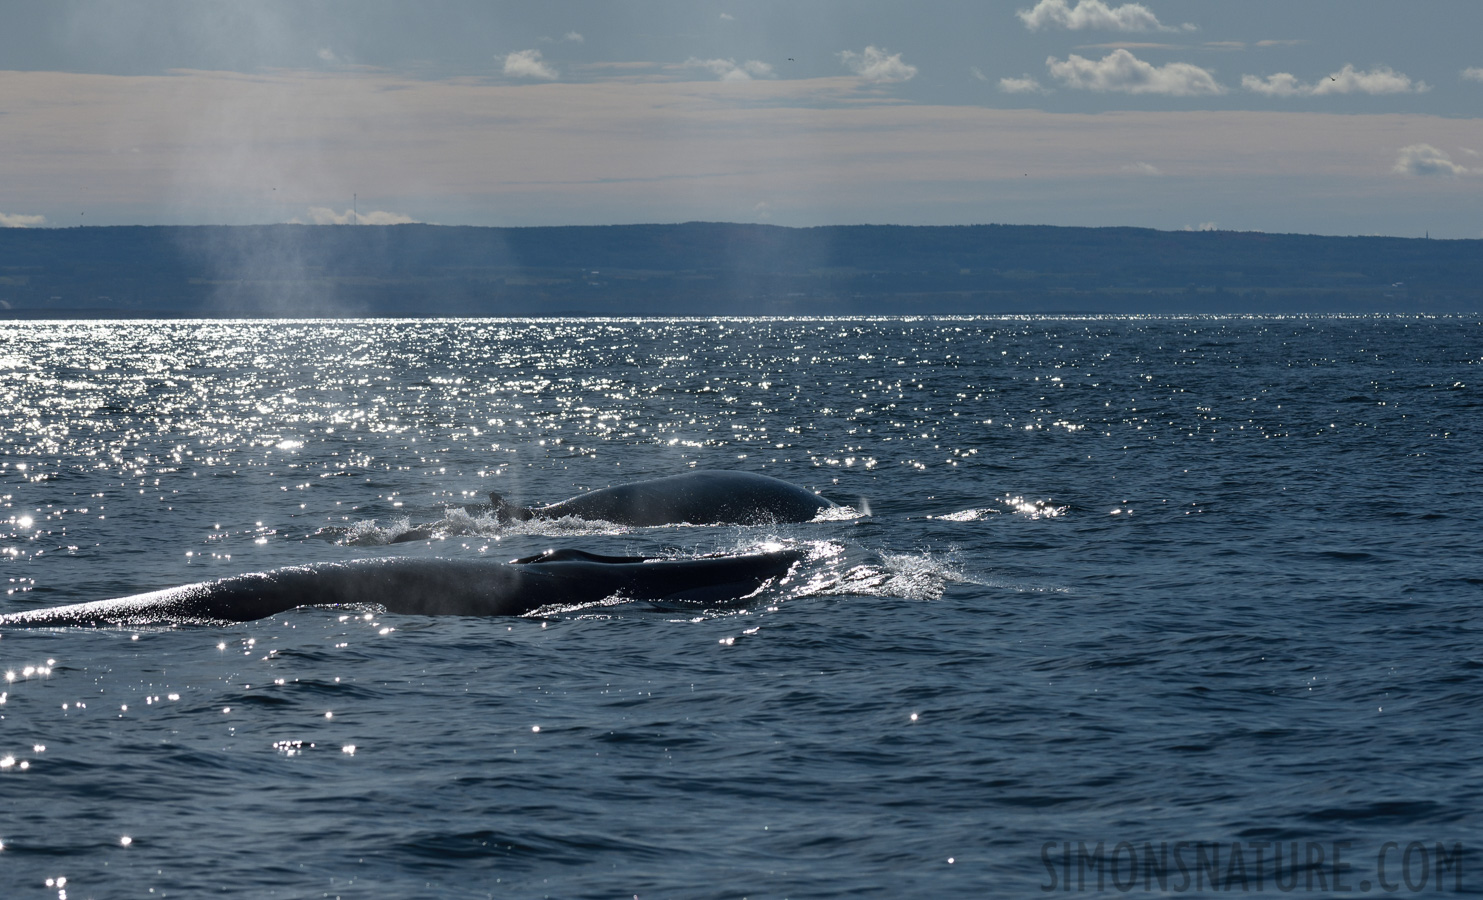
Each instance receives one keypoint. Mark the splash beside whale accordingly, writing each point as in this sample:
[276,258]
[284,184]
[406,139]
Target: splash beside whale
[698,498]
[433,587]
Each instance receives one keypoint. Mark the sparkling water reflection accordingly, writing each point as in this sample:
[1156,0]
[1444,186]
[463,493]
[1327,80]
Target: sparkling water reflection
[1099,579]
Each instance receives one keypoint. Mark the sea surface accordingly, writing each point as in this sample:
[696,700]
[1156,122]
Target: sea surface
[1210,585]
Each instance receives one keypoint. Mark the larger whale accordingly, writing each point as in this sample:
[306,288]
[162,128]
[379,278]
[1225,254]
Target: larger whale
[701,497]
[434,587]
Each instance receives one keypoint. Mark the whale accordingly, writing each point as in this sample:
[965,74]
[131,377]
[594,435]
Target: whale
[702,497]
[434,587]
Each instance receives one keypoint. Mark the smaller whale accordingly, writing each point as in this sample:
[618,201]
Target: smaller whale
[697,498]
[434,587]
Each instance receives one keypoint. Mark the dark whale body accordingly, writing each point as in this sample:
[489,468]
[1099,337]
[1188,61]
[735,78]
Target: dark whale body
[432,587]
[699,498]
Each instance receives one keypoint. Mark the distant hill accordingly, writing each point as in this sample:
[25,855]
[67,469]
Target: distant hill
[702,268]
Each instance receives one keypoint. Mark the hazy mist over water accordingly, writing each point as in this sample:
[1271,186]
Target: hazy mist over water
[1101,579]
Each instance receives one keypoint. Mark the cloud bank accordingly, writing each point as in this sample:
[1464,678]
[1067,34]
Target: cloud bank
[508,152]
[528,64]
[875,65]
[1122,72]
[1093,14]
[1426,161]
[19,220]
[1473,73]
[730,70]
[323,215]
[1348,80]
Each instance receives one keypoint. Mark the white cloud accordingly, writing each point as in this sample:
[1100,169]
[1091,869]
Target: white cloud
[381,217]
[19,220]
[575,37]
[323,215]
[1025,85]
[1473,73]
[976,72]
[875,65]
[1131,45]
[1093,14]
[325,54]
[1142,168]
[1379,80]
[1203,226]
[1425,160]
[727,17]
[730,70]
[1220,46]
[1283,84]
[1348,80]
[1123,72]
[527,64]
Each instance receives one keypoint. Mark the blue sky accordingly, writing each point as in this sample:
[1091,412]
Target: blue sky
[1325,116]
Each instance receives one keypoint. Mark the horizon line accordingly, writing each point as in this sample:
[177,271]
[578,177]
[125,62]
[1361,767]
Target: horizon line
[1425,236]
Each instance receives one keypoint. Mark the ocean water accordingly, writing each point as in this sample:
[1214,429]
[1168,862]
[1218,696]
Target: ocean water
[1204,587]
